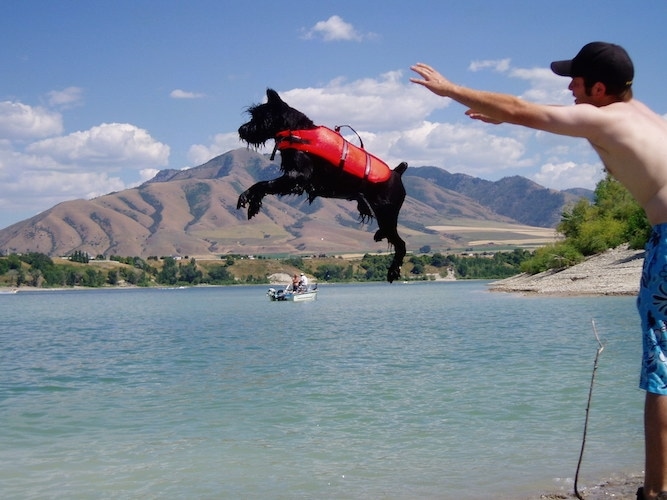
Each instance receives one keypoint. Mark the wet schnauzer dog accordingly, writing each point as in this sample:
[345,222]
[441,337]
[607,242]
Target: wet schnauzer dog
[318,161]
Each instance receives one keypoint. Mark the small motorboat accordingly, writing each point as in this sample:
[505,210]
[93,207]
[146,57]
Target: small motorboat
[289,295]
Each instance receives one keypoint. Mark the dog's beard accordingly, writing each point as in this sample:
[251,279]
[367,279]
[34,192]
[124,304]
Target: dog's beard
[249,135]
[254,145]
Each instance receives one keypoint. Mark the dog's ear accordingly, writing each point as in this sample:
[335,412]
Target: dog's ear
[273,97]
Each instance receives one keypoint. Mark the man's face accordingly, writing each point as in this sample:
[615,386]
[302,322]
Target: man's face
[578,89]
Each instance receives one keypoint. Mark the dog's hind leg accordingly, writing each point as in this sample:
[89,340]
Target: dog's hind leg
[388,229]
[386,211]
[387,219]
[365,210]
[394,271]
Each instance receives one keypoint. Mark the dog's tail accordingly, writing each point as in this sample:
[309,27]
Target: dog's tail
[402,167]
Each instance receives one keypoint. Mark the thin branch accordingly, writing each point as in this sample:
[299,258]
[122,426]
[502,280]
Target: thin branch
[588,408]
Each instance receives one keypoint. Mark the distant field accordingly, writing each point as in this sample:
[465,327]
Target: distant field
[500,234]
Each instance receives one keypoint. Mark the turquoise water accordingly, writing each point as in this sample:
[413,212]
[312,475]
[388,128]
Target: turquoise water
[427,390]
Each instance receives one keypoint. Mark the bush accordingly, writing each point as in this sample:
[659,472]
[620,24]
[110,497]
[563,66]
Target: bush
[612,219]
[555,256]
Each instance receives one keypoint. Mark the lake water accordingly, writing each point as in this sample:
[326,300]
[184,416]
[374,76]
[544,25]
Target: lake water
[427,390]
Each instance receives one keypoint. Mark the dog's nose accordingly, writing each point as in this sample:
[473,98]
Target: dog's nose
[244,131]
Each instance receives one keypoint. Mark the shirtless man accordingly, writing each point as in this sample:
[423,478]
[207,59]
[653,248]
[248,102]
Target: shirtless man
[631,141]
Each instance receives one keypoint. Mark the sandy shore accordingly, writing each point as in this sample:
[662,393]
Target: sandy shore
[619,488]
[614,272]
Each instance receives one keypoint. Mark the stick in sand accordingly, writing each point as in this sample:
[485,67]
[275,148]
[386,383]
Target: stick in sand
[588,408]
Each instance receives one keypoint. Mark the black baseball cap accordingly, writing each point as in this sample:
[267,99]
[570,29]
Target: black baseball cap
[599,62]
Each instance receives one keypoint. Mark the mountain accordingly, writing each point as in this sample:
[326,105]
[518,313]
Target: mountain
[193,213]
[516,197]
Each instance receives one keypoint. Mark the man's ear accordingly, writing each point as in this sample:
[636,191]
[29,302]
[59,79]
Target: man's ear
[599,89]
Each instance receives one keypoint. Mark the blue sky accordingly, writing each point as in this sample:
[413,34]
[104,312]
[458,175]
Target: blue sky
[97,96]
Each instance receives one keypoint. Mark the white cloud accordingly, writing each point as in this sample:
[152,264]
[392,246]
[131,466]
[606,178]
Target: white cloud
[75,166]
[184,94]
[79,165]
[199,154]
[500,65]
[109,144]
[335,29]
[40,167]
[470,149]
[545,86]
[147,174]
[20,121]
[381,104]
[27,186]
[569,175]
[66,98]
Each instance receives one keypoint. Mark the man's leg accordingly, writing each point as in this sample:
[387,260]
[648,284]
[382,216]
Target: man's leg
[655,435]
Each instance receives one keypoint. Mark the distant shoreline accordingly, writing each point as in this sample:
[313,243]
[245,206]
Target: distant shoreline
[614,272]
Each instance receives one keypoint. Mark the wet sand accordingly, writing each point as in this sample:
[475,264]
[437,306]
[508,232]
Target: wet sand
[621,488]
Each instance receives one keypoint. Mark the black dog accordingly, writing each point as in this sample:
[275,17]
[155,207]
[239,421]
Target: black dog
[320,162]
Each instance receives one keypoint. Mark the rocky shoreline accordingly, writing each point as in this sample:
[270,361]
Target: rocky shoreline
[614,272]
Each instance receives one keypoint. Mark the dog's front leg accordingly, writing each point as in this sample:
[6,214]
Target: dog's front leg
[253,196]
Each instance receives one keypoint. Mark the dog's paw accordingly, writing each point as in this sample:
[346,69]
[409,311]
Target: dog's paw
[253,210]
[394,273]
[247,199]
[242,201]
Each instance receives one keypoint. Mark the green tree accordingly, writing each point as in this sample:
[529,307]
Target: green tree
[189,273]
[35,277]
[79,256]
[169,273]
[219,275]
[613,218]
[92,278]
[439,260]
[328,272]
[294,262]
[112,277]
[375,267]
[37,260]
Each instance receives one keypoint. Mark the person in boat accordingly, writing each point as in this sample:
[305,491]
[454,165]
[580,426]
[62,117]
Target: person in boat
[295,283]
[631,141]
[303,283]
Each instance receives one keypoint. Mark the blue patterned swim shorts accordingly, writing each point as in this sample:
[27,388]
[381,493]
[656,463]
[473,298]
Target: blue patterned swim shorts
[652,306]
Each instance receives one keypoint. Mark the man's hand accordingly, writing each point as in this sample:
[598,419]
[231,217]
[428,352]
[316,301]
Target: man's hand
[432,80]
[479,116]
[473,99]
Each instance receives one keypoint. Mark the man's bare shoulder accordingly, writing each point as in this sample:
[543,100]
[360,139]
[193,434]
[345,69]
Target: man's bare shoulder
[633,107]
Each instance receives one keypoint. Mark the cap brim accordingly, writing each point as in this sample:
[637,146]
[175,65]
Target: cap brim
[562,68]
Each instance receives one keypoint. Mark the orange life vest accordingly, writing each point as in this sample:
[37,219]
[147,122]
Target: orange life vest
[334,148]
